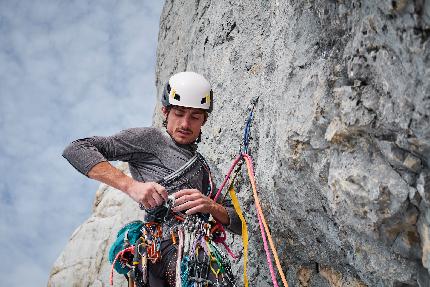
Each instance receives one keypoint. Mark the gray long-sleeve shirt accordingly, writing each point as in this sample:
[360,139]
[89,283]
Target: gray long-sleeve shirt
[151,154]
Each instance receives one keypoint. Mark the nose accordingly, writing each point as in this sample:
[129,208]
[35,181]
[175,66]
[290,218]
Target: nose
[186,122]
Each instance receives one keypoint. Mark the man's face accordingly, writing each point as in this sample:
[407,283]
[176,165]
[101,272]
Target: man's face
[184,124]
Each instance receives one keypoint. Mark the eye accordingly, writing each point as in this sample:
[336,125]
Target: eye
[197,116]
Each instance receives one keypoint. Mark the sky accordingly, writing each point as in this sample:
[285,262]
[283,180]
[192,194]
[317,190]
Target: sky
[68,70]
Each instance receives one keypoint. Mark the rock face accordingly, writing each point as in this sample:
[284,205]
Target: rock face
[84,261]
[340,138]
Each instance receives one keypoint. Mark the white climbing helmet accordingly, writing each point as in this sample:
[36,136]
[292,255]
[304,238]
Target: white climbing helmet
[188,89]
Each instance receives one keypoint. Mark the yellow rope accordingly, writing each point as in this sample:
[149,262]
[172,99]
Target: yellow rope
[236,205]
[212,259]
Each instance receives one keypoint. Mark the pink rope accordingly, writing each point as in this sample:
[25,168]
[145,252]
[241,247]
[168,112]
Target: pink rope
[237,159]
[222,241]
[266,248]
[235,257]
[263,233]
[179,257]
[261,218]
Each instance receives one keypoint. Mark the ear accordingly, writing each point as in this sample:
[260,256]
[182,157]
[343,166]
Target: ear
[206,118]
[165,112]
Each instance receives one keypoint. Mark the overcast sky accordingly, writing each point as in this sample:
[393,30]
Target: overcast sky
[68,69]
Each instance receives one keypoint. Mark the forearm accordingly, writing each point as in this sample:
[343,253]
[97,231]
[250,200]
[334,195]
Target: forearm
[220,213]
[110,175]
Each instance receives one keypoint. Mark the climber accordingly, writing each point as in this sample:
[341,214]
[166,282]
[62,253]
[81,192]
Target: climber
[156,155]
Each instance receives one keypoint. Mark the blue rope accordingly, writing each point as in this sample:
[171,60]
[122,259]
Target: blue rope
[247,130]
[185,271]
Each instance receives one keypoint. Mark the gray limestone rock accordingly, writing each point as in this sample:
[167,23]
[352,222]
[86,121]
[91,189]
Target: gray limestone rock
[423,186]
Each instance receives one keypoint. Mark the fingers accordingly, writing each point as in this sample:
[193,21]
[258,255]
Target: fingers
[161,191]
[200,205]
[196,209]
[158,194]
[152,195]
[187,204]
[157,198]
[149,203]
[183,192]
[192,200]
[186,197]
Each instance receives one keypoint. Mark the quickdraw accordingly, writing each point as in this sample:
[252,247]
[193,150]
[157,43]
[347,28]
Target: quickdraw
[152,233]
[201,259]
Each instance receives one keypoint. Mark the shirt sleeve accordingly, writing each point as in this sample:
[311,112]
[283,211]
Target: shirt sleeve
[84,154]
[235,224]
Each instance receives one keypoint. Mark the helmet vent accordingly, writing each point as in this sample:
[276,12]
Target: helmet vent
[177,97]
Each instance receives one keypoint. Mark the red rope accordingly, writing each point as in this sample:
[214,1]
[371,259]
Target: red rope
[129,249]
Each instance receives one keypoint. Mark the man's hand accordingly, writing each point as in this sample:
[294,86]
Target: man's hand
[150,194]
[193,200]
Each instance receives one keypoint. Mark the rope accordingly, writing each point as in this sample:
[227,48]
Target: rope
[221,239]
[212,258]
[235,162]
[264,231]
[266,249]
[179,257]
[236,205]
[185,271]
[249,165]
[244,149]
[129,249]
[269,262]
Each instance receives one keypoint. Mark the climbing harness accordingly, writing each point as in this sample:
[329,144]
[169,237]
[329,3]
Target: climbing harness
[199,260]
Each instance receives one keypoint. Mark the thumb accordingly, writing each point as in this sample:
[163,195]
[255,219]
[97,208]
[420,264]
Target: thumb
[160,190]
